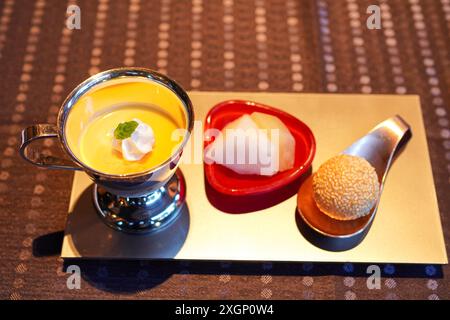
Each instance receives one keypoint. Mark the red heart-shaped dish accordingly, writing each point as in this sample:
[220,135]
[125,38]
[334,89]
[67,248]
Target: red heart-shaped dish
[230,183]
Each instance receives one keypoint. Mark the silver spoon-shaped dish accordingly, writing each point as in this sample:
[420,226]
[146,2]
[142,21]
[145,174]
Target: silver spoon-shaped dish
[379,147]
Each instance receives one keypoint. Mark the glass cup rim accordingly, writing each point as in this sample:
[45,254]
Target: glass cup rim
[118,73]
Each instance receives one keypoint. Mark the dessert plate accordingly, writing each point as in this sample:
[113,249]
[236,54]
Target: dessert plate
[230,183]
[406,228]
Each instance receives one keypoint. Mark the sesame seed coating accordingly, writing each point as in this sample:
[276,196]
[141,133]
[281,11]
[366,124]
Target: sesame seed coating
[346,187]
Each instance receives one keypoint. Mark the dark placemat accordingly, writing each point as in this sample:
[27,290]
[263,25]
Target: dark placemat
[239,45]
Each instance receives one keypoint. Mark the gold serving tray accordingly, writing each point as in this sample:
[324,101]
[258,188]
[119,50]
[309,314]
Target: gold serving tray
[406,229]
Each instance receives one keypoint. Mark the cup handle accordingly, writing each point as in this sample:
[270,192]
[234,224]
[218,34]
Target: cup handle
[36,157]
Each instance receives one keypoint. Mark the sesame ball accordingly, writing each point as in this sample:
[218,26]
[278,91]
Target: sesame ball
[346,187]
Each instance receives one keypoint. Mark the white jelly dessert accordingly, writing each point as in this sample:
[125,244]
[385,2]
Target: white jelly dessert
[258,143]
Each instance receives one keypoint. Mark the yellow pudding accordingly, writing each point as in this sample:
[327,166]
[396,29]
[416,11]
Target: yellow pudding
[93,118]
[102,157]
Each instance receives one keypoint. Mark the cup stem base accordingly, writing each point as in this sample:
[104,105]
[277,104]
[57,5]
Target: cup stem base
[145,214]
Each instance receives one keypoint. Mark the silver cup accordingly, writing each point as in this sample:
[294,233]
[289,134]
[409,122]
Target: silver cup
[134,203]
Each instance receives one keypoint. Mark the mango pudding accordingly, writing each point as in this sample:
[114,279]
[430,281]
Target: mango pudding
[125,126]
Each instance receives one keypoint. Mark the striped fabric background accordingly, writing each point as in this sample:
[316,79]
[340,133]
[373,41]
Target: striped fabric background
[239,45]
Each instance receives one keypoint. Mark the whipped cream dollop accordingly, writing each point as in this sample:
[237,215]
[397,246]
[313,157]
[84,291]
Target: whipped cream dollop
[138,144]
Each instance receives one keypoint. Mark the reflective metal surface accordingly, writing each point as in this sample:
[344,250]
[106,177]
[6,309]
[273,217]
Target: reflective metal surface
[88,236]
[378,147]
[145,214]
[139,185]
[160,173]
[406,229]
[35,156]
[130,185]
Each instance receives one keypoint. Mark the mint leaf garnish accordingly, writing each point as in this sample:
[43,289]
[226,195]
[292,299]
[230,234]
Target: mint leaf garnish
[125,129]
